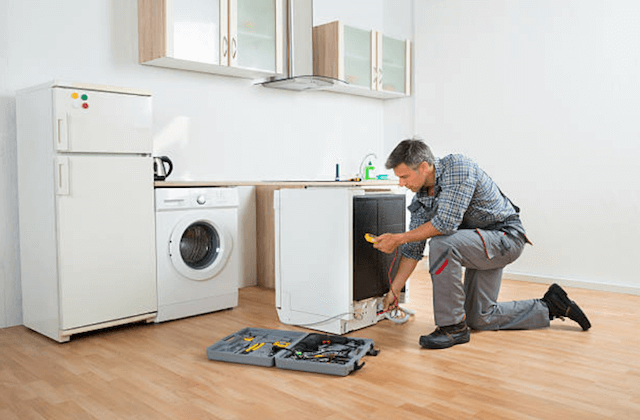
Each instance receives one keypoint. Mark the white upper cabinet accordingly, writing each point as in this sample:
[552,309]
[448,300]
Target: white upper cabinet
[242,38]
[372,63]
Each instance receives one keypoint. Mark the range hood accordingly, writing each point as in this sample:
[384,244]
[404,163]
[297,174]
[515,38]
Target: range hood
[299,51]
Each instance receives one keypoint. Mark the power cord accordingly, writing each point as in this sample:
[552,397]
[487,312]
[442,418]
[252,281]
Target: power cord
[399,315]
[322,321]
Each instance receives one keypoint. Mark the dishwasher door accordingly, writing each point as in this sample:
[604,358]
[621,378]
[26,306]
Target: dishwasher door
[314,255]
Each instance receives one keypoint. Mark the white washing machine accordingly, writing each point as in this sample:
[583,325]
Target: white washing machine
[198,267]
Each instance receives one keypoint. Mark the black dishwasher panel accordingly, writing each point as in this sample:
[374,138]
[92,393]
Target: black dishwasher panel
[375,214]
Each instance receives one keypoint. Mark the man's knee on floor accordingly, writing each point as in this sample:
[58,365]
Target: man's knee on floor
[480,322]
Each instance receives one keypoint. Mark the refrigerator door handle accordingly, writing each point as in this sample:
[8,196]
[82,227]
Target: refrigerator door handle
[62,175]
[63,134]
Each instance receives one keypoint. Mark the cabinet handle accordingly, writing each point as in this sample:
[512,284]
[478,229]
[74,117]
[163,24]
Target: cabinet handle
[234,47]
[225,46]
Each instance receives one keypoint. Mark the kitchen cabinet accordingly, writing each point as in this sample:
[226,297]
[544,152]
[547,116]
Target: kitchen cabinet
[242,38]
[372,63]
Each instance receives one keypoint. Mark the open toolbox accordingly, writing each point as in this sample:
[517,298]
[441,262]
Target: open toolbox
[319,353]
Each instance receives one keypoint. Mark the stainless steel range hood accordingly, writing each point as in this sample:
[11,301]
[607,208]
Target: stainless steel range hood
[299,51]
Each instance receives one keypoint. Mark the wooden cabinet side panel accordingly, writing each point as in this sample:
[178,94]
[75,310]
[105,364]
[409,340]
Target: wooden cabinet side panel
[326,50]
[265,233]
[151,29]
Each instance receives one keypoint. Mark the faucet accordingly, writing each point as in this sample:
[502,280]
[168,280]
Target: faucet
[360,172]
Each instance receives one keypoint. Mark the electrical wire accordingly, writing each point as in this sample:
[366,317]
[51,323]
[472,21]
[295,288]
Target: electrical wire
[319,322]
[396,314]
[399,315]
[395,297]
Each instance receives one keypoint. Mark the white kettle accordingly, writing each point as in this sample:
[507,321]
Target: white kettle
[160,172]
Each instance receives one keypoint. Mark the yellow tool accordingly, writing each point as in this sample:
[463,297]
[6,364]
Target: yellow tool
[282,345]
[369,238]
[254,347]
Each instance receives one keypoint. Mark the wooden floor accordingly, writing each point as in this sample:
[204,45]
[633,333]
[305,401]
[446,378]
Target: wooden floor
[162,372]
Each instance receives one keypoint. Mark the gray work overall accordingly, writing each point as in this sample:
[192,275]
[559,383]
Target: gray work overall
[483,253]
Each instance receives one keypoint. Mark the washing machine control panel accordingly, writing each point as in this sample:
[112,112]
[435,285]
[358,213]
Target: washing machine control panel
[186,198]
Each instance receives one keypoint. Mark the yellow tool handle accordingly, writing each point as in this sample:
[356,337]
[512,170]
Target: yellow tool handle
[369,238]
[279,344]
[254,347]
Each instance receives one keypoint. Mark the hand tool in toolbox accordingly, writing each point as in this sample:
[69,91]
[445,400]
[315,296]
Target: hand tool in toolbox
[294,350]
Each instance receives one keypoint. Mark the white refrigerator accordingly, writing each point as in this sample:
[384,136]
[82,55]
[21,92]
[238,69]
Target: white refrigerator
[86,207]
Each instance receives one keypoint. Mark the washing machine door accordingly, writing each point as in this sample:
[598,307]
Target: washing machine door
[199,248]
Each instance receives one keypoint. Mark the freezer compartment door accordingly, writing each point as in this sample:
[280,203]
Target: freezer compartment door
[106,239]
[87,121]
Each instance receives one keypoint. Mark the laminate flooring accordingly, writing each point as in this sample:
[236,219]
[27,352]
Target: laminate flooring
[161,371]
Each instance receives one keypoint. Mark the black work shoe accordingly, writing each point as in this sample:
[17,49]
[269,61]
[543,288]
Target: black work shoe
[445,337]
[560,306]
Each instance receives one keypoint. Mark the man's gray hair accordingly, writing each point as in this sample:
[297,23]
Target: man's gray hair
[412,152]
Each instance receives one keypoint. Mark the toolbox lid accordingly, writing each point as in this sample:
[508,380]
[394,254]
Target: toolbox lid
[253,346]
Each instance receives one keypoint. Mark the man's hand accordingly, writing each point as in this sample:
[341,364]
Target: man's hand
[389,302]
[405,268]
[388,242]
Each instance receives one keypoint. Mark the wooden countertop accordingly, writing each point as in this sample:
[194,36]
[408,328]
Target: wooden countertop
[371,183]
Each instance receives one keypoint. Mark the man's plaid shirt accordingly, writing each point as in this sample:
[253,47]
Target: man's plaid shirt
[465,197]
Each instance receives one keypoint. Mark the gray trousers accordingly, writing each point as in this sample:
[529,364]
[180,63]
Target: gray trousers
[483,253]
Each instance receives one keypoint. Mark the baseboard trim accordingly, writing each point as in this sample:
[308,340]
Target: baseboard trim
[604,287]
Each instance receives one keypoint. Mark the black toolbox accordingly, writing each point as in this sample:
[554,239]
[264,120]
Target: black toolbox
[295,350]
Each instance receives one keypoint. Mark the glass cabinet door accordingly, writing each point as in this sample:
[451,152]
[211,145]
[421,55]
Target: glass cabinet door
[393,64]
[357,56]
[196,30]
[256,35]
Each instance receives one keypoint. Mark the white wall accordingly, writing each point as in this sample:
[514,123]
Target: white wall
[212,127]
[398,114]
[394,18]
[545,95]
[363,14]
[10,294]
